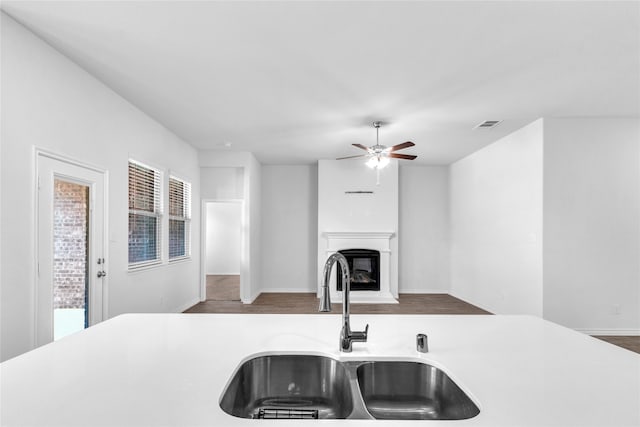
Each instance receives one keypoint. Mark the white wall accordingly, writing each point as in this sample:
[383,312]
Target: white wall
[592,224]
[339,211]
[50,103]
[253,188]
[423,229]
[289,222]
[496,224]
[218,183]
[223,234]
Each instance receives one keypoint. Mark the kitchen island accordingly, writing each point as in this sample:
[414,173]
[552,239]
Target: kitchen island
[171,369]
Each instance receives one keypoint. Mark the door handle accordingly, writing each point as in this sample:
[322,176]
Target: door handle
[102,274]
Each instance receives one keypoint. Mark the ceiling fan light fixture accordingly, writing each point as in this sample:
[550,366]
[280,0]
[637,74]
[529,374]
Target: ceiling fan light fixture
[378,162]
[379,155]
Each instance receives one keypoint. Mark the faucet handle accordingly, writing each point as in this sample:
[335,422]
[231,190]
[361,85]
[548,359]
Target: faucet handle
[360,336]
[348,337]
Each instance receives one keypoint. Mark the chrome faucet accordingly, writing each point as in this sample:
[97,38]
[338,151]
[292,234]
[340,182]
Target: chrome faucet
[347,336]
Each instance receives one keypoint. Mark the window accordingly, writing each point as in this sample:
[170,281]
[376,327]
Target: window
[145,215]
[179,218]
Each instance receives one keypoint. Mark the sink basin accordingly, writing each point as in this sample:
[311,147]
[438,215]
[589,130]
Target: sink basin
[289,386]
[397,390]
[297,386]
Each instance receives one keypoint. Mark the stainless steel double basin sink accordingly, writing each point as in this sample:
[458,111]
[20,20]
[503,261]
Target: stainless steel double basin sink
[318,387]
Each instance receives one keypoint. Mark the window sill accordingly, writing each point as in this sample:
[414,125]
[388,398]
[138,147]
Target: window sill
[180,260]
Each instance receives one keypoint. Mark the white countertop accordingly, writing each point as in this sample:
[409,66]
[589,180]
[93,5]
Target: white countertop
[171,369]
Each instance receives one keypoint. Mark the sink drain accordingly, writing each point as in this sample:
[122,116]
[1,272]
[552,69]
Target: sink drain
[286,414]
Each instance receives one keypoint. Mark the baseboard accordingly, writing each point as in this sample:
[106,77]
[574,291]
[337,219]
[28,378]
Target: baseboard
[421,291]
[251,299]
[315,291]
[183,307]
[222,274]
[610,332]
[289,291]
[366,298]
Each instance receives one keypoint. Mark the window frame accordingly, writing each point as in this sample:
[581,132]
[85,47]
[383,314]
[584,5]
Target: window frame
[185,218]
[158,214]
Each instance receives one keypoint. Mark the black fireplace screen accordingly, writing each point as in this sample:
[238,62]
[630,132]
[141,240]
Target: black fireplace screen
[364,268]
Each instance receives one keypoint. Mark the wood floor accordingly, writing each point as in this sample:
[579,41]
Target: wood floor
[303,303]
[630,343]
[223,287]
[307,303]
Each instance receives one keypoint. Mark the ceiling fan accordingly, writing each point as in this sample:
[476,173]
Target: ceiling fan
[379,155]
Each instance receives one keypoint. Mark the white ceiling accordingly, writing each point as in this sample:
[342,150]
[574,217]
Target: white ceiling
[298,81]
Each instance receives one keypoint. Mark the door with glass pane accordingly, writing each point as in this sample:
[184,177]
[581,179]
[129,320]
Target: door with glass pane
[71,262]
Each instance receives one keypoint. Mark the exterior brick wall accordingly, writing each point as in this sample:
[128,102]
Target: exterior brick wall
[70,244]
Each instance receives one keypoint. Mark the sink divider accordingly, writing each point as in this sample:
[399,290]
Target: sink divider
[359,411]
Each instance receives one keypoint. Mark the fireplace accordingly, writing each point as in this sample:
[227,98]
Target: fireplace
[354,212]
[364,268]
[381,242]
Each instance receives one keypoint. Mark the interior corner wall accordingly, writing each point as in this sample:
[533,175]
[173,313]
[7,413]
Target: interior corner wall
[592,224]
[50,103]
[253,188]
[423,229]
[496,224]
[289,221]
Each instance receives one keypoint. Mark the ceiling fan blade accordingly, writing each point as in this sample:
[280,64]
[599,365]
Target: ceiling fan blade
[402,156]
[401,146]
[351,157]
[361,146]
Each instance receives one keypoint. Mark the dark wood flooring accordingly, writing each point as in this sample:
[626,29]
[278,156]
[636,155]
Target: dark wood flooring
[307,303]
[629,342]
[303,303]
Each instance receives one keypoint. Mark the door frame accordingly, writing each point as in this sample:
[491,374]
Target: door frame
[244,257]
[38,154]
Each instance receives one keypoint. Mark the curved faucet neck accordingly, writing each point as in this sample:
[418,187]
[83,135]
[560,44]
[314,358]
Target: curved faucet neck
[346,335]
[325,299]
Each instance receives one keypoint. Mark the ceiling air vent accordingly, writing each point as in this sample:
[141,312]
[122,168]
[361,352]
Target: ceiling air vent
[487,124]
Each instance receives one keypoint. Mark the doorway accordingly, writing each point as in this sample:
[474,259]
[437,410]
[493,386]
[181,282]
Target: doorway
[223,249]
[71,267]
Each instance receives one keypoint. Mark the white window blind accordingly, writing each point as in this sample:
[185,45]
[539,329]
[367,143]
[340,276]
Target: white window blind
[145,215]
[179,218]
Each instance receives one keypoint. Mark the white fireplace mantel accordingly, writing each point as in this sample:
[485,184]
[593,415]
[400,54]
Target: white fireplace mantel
[374,240]
[385,235]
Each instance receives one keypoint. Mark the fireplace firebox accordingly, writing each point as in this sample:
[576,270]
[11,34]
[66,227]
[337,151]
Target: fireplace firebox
[364,266]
